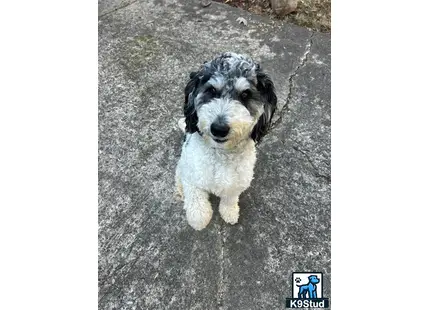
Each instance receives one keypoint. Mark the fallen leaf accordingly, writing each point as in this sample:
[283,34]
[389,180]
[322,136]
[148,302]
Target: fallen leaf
[242,20]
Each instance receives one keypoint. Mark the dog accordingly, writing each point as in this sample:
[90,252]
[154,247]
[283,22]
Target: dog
[309,289]
[228,108]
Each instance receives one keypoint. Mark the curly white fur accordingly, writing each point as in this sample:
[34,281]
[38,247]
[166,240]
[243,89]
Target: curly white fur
[226,173]
[228,106]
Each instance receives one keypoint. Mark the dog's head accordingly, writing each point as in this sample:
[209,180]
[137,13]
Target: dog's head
[228,100]
[314,279]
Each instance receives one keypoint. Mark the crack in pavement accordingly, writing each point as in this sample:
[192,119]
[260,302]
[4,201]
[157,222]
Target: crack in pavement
[221,283]
[118,8]
[316,170]
[302,61]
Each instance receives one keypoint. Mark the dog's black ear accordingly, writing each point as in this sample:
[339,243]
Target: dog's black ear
[268,97]
[190,113]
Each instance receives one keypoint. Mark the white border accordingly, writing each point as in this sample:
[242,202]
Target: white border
[48,156]
[380,153]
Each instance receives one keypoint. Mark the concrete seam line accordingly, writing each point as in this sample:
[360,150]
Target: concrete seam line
[221,281]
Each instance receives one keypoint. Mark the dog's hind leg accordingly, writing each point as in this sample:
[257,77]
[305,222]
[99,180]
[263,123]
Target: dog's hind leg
[197,206]
[301,293]
[179,193]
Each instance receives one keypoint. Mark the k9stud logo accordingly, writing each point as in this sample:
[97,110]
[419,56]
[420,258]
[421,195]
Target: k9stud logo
[307,291]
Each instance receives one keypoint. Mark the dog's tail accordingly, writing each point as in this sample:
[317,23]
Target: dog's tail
[181,124]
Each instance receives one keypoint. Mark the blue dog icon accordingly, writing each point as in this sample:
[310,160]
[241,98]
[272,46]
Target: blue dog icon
[309,289]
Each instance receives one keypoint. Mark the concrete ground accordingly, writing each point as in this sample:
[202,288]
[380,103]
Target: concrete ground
[149,258]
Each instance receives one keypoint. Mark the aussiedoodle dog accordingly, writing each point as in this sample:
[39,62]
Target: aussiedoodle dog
[229,104]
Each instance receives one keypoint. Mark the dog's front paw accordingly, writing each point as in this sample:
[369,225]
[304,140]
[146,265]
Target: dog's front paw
[199,218]
[230,214]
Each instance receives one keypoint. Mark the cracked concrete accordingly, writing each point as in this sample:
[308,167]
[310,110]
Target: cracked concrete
[317,174]
[222,286]
[284,108]
[149,258]
[122,5]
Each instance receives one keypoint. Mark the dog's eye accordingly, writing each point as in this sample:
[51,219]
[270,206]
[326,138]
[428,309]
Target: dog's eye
[211,90]
[245,95]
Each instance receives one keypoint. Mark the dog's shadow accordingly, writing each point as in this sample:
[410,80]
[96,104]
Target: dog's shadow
[245,222]
[214,200]
[243,202]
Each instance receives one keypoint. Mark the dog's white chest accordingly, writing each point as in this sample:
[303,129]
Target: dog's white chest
[216,170]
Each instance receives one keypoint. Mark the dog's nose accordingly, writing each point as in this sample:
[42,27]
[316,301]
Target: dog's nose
[219,130]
